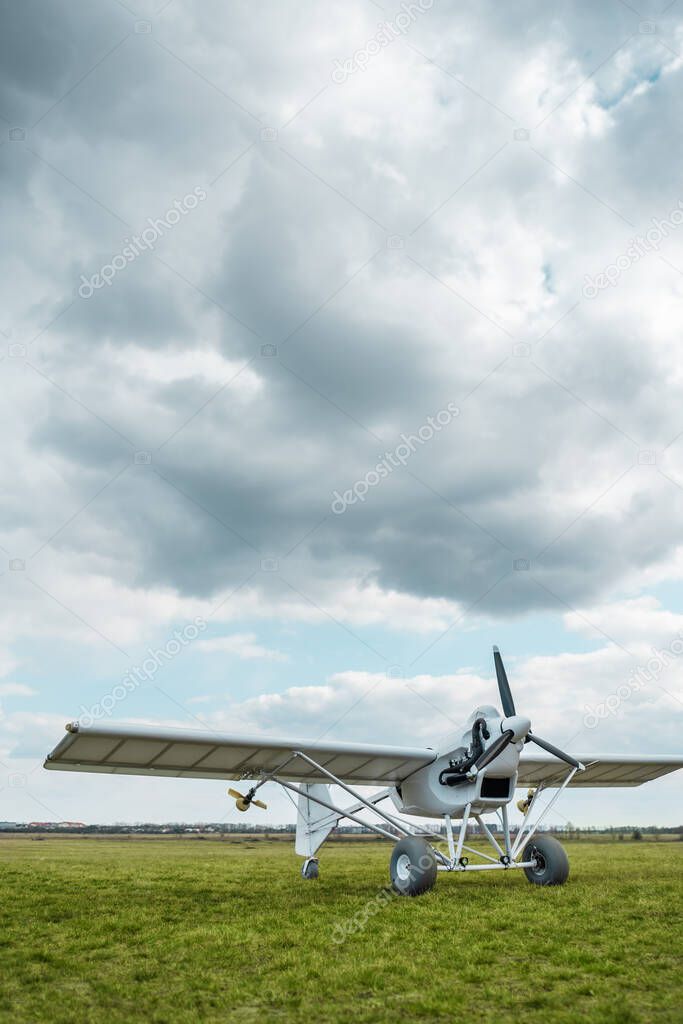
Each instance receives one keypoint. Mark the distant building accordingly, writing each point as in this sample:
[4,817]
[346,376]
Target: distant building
[51,825]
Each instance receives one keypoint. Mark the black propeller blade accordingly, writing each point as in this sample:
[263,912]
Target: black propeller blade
[496,748]
[553,750]
[503,685]
[509,710]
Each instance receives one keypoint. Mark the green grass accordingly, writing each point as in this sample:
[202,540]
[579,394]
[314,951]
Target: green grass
[180,931]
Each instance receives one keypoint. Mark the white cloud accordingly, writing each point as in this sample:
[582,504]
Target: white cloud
[638,623]
[554,690]
[357,604]
[16,690]
[242,645]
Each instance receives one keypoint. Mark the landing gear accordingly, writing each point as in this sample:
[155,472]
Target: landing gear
[309,868]
[412,867]
[551,864]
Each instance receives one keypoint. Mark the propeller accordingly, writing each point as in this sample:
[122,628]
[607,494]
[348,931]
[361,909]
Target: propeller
[523,805]
[243,802]
[509,710]
[503,685]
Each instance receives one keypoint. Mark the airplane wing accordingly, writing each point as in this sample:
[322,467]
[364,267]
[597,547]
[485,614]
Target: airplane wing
[195,754]
[601,769]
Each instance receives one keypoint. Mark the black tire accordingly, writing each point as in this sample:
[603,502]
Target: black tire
[309,869]
[552,863]
[412,867]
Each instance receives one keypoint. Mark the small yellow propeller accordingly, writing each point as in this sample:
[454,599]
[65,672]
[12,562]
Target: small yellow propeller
[243,802]
[523,805]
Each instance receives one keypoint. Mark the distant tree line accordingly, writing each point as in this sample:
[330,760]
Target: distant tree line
[569,830]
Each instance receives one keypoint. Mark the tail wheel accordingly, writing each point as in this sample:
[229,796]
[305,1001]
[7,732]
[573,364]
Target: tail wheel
[551,864]
[412,867]
[309,868]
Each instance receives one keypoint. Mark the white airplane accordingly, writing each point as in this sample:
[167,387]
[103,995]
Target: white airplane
[476,774]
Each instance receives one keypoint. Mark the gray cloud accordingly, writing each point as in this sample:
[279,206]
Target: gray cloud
[290,249]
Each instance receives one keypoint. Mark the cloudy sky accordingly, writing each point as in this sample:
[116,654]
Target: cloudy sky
[353,331]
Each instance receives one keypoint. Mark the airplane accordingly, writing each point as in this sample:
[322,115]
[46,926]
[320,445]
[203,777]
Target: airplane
[474,774]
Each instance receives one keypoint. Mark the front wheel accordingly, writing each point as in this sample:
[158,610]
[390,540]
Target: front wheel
[412,866]
[551,864]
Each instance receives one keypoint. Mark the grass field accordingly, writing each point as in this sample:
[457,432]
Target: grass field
[183,930]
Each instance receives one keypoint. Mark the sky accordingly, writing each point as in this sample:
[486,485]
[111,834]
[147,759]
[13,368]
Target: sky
[339,343]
